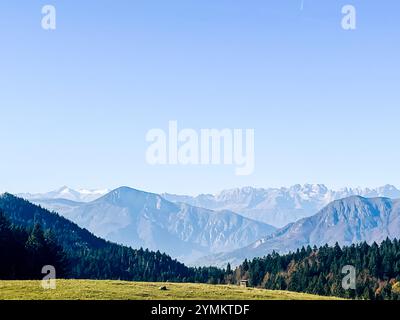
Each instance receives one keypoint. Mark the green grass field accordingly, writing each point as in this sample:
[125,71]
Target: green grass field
[120,290]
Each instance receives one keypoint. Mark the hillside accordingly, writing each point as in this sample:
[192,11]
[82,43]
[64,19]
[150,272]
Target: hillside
[140,219]
[118,290]
[24,214]
[321,271]
[346,221]
[86,255]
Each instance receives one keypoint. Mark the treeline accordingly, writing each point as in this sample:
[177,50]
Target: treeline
[116,262]
[32,237]
[24,253]
[319,271]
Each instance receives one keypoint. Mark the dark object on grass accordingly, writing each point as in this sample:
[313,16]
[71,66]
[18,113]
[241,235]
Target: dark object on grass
[164,288]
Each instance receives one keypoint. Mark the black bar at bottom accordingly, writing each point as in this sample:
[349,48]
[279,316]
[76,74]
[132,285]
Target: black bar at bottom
[200,309]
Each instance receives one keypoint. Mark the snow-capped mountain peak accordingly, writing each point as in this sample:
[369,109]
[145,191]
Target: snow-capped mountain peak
[280,206]
[66,193]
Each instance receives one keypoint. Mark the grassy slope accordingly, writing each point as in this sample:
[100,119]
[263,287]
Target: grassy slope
[119,290]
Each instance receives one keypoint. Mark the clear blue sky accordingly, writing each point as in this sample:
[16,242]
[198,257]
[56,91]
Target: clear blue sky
[76,103]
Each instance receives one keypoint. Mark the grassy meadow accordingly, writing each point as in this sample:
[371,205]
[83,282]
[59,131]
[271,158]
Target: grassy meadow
[121,290]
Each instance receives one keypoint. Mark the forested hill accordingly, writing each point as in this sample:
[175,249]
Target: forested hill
[25,214]
[319,271]
[83,255]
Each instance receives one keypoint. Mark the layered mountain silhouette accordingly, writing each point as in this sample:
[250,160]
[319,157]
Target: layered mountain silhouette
[140,219]
[346,221]
[203,236]
[274,206]
[280,206]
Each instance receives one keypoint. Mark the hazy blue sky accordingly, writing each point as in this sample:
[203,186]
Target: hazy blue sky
[76,103]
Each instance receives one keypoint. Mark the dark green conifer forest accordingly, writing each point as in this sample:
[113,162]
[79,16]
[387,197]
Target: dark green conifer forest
[32,237]
[319,271]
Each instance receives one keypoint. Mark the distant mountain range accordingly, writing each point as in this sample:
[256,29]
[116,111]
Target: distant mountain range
[231,226]
[82,195]
[346,221]
[280,206]
[274,206]
[140,219]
